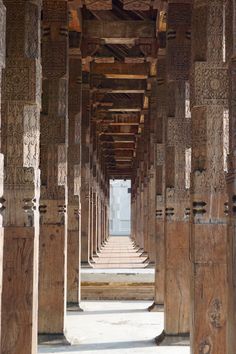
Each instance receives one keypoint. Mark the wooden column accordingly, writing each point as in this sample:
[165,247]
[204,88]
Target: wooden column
[74,239]
[21,101]
[85,170]
[53,154]
[209,224]
[231,175]
[2,65]
[177,202]
[160,182]
[152,170]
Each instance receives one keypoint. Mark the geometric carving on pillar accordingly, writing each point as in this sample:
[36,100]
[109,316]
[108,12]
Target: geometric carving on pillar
[210,84]
[20,146]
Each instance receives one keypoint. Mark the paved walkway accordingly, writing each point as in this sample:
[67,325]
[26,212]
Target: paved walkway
[119,252]
[114,327]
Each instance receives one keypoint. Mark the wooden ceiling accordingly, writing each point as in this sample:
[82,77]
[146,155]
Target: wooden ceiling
[120,41]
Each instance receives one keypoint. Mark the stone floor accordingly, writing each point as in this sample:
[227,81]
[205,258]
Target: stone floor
[114,327]
[120,252]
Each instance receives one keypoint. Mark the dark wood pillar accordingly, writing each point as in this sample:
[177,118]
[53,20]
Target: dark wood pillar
[2,200]
[85,169]
[161,118]
[21,101]
[231,175]
[53,161]
[208,190]
[74,108]
[177,201]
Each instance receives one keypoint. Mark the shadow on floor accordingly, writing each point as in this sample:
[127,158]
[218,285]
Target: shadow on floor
[107,312]
[101,346]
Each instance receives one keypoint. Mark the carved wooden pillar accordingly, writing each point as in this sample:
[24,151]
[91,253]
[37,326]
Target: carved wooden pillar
[74,240]
[85,170]
[53,161]
[152,170]
[208,189]
[94,222]
[231,176]
[177,202]
[2,65]
[21,101]
[160,182]
[91,220]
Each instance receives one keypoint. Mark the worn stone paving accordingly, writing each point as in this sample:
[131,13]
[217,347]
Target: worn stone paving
[114,327]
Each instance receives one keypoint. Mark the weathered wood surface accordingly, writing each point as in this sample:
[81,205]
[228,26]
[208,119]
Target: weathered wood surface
[177,201]
[231,176]
[21,93]
[53,161]
[74,182]
[209,224]
[2,65]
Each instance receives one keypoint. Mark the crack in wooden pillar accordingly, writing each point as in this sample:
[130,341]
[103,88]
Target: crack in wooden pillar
[2,200]
[21,101]
[74,115]
[53,162]
[85,169]
[231,175]
[160,182]
[177,202]
[208,188]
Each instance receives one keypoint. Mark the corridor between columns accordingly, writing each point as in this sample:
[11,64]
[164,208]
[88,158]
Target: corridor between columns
[95,91]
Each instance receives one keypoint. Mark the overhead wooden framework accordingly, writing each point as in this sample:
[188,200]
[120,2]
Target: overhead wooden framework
[119,50]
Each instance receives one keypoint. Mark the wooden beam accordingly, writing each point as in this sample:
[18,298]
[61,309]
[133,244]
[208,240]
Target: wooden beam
[121,70]
[99,82]
[119,30]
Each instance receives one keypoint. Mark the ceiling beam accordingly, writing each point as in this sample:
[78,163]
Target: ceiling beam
[122,70]
[119,30]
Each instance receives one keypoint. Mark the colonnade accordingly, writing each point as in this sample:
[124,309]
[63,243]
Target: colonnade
[84,100]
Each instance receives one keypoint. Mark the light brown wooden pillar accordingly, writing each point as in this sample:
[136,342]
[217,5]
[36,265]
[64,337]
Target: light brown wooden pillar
[21,101]
[2,200]
[53,161]
[209,224]
[74,109]
[177,201]
[85,170]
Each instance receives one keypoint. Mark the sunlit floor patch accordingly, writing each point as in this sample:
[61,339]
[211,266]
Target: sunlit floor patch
[114,327]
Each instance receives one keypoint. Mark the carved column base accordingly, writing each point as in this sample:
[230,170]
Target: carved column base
[52,275]
[73,267]
[20,283]
[164,339]
[177,278]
